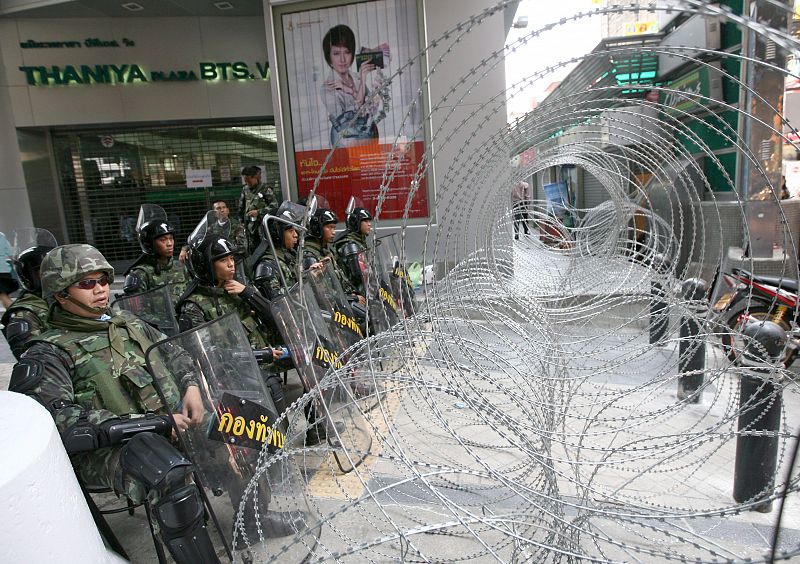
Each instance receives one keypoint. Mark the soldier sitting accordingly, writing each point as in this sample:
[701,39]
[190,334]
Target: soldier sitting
[321,233]
[156,266]
[27,316]
[352,244]
[89,371]
[214,292]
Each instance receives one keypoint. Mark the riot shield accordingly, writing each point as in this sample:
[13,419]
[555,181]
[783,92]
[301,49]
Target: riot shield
[313,347]
[252,485]
[399,279]
[150,212]
[153,306]
[29,245]
[382,309]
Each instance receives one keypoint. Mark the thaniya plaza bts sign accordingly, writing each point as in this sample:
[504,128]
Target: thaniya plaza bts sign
[130,73]
[134,73]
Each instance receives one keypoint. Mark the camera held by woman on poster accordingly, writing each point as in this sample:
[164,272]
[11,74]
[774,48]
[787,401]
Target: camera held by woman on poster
[355,102]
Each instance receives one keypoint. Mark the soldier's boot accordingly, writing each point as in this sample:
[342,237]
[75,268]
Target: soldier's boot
[182,528]
[269,524]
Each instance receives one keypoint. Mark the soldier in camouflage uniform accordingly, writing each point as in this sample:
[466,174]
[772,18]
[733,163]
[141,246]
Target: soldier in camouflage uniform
[352,243]
[226,226]
[254,202]
[274,275]
[317,247]
[27,316]
[156,266]
[89,371]
[214,292]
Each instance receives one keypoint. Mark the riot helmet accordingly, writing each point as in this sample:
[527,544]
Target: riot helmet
[355,214]
[65,265]
[204,253]
[29,246]
[152,224]
[320,219]
[287,216]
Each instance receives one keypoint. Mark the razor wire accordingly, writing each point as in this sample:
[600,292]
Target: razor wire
[523,414]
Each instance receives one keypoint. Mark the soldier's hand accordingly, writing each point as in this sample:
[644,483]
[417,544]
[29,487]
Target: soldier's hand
[361,299]
[317,266]
[192,406]
[181,422]
[233,287]
[184,255]
[253,213]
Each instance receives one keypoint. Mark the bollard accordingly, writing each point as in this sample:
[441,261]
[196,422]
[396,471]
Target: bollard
[659,314]
[760,400]
[692,350]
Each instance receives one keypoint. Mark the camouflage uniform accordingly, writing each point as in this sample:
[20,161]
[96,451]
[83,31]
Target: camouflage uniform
[356,280]
[150,274]
[260,198]
[95,371]
[313,249]
[29,308]
[271,285]
[205,304]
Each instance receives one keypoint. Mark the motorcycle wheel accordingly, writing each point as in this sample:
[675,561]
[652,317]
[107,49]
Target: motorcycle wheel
[759,312]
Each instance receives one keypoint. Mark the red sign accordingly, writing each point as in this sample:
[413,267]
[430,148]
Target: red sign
[358,171]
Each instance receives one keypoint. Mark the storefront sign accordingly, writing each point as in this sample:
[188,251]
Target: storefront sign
[133,73]
[338,64]
[693,89]
[198,178]
[89,42]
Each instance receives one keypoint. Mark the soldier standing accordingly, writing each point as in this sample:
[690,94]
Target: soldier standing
[89,371]
[254,202]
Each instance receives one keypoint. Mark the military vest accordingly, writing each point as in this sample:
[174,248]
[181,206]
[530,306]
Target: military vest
[215,302]
[31,303]
[96,385]
[153,275]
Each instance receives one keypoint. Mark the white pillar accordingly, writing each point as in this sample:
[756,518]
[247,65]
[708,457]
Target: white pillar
[42,510]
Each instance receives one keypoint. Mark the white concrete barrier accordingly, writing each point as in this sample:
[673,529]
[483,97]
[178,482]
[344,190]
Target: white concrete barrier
[42,510]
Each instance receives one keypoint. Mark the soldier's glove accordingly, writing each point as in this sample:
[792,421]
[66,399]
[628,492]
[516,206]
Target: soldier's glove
[84,436]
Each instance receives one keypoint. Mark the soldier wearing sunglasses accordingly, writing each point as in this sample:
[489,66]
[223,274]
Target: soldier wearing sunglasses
[89,371]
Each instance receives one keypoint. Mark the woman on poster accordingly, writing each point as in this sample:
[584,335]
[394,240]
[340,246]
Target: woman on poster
[353,110]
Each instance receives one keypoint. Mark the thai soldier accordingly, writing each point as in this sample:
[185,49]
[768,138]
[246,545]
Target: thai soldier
[89,371]
[317,247]
[274,278]
[214,292]
[352,243]
[156,266]
[27,316]
[255,200]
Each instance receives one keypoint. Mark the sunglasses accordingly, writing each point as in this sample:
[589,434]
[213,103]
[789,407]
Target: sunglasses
[90,283]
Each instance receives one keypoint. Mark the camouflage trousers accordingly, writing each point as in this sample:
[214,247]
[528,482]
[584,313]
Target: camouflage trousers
[101,469]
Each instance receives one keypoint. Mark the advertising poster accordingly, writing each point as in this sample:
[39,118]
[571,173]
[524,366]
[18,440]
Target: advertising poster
[339,62]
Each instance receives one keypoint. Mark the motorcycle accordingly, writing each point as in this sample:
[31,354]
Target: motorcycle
[742,296]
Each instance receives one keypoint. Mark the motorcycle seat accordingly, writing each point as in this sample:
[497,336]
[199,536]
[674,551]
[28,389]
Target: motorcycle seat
[785,283]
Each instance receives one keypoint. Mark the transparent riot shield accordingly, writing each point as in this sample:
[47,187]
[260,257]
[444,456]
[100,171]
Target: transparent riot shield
[150,212]
[382,309]
[322,370]
[209,226]
[389,258]
[344,327]
[153,306]
[251,482]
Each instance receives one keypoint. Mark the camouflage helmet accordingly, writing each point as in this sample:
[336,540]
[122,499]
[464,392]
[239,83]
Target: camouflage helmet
[65,265]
